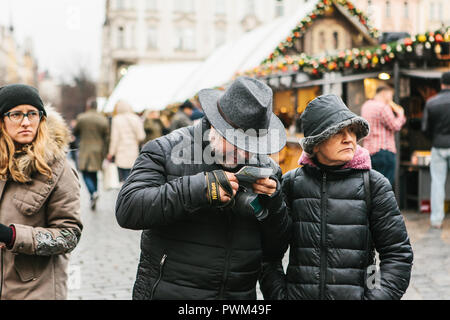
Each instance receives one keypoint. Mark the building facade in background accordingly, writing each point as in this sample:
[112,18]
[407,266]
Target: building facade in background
[155,31]
[412,16]
[17,63]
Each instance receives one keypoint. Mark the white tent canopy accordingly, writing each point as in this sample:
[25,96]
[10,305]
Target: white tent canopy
[151,86]
[156,86]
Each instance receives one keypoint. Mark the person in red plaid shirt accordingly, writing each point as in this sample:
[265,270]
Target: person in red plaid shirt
[385,118]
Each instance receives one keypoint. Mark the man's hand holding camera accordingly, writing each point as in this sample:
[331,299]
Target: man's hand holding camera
[265,186]
[234,182]
[224,189]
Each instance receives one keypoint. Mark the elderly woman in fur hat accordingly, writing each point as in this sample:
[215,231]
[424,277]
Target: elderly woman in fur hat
[40,198]
[342,211]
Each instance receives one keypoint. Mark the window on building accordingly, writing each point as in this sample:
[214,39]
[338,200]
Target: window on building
[432,11]
[184,6]
[369,7]
[250,7]
[152,38]
[220,37]
[151,5]
[132,36]
[120,38]
[120,4]
[405,10]
[185,39]
[190,7]
[322,41]
[441,12]
[279,8]
[388,9]
[220,7]
[335,40]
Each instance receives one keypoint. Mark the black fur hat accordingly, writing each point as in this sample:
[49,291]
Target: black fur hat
[325,116]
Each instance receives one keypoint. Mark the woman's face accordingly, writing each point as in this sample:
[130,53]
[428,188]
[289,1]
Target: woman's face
[20,128]
[337,150]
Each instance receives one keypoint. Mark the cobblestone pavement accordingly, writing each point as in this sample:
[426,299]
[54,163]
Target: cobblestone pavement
[104,264]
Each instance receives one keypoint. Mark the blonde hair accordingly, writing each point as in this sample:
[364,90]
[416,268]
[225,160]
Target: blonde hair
[10,166]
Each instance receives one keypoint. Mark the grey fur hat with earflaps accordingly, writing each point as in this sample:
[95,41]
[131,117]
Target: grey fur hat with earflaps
[325,116]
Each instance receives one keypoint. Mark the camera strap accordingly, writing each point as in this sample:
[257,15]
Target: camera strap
[215,180]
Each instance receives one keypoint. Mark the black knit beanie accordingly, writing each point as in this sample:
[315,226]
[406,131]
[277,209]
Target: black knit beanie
[14,95]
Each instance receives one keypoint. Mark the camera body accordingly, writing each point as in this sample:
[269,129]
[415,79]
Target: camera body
[248,203]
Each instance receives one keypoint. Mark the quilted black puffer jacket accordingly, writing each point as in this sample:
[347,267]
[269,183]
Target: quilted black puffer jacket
[332,247]
[190,250]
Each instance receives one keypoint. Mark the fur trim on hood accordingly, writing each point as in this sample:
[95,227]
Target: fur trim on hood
[361,160]
[308,143]
[56,146]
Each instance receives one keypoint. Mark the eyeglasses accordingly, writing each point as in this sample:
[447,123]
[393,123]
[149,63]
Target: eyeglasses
[18,116]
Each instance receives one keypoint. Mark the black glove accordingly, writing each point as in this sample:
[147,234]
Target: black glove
[6,234]
[215,180]
[274,201]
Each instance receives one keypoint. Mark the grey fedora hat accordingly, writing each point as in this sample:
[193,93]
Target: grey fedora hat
[243,116]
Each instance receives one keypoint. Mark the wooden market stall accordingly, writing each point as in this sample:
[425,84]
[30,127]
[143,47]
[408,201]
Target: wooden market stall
[413,65]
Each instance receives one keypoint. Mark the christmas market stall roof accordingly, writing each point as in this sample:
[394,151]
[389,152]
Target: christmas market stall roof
[244,53]
[151,86]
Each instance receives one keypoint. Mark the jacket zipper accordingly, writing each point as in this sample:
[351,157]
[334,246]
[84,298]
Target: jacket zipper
[161,266]
[228,254]
[1,272]
[323,246]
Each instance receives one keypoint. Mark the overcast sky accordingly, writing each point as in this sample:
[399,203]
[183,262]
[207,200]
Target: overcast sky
[66,34]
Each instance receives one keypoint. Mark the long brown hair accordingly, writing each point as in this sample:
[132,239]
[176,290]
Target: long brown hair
[10,163]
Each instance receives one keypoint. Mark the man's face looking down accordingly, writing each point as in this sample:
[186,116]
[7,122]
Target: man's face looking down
[228,155]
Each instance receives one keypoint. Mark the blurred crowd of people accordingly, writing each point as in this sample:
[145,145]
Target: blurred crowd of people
[118,137]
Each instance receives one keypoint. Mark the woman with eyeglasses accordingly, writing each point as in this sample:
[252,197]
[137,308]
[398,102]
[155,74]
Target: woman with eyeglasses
[39,198]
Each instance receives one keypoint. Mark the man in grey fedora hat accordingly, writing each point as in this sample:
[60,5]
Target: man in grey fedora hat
[206,228]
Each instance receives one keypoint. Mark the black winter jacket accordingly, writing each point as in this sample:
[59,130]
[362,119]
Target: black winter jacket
[190,250]
[436,119]
[331,249]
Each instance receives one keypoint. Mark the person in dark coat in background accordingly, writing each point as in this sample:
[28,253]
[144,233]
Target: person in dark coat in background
[92,129]
[183,116]
[341,211]
[205,232]
[436,125]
